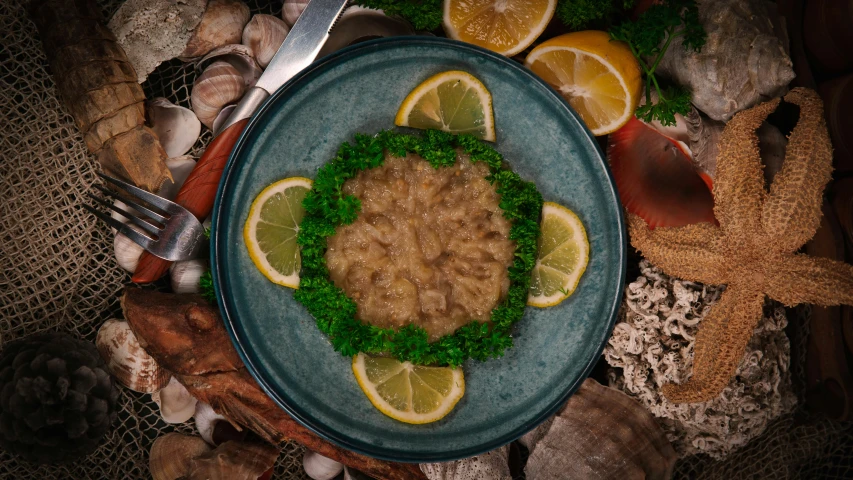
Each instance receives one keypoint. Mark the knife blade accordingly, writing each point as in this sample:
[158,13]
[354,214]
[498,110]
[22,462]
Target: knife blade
[298,50]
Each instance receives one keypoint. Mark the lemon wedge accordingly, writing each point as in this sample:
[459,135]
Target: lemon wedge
[452,101]
[271,228]
[503,26]
[599,77]
[563,256]
[407,392]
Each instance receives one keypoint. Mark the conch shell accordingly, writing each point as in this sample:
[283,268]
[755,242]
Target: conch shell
[222,24]
[742,63]
[600,433]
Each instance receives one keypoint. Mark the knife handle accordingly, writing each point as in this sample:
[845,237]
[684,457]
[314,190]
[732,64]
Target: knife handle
[196,194]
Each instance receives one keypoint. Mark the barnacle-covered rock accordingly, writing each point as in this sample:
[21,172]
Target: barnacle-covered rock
[653,344]
[742,63]
[57,399]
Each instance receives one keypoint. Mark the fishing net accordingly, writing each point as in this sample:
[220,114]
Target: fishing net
[57,272]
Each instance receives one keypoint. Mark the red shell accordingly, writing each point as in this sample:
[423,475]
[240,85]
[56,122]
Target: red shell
[656,179]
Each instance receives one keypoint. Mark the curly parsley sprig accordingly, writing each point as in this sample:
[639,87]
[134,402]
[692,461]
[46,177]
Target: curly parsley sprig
[423,14]
[326,207]
[649,38]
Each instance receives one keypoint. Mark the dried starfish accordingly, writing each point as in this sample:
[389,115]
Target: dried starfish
[753,249]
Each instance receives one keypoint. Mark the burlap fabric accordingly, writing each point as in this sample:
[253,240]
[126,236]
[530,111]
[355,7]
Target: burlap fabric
[57,272]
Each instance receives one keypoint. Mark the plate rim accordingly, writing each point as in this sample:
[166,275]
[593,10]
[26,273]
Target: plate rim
[227,315]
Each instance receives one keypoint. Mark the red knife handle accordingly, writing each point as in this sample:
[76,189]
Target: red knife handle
[196,194]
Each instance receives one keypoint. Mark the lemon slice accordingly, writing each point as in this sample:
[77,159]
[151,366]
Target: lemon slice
[452,101]
[271,229]
[407,392]
[599,77]
[563,256]
[503,26]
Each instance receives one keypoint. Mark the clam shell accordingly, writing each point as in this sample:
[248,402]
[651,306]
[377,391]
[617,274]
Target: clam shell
[223,115]
[233,459]
[177,127]
[172,454]
[264,34]
[222,23]
[238,56]
[219,85]
[600,433]
[175,402]
[127,361]
[292,9]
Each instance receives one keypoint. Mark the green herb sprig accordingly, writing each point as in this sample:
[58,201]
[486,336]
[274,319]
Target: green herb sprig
[326,207]
[422,14]
[584,14]
[649,38]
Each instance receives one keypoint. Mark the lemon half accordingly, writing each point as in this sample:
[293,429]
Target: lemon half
[503,26]
[407,392]
[271,229]
[563,256]
[452,101]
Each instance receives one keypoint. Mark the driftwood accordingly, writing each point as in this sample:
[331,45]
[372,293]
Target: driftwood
[185,334]
[98,85]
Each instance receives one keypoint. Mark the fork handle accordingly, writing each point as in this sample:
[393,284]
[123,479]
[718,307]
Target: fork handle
[196,194]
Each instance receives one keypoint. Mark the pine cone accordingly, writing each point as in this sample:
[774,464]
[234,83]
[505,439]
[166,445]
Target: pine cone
[57,399]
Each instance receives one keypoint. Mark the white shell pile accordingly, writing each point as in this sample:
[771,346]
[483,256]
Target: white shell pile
[652,345]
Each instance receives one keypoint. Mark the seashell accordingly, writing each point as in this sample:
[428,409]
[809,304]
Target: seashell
[292,9]
[153,31]
[223,115]
[238,56]
[177,127]
[359,24]
[127,252]
[127,361]
[600,433]
[117,216]
[180,167]
[234,460]
[175,402]
[656,177]
[264,34]
[353,474]
[185,275]
[172,454]
[222,24]
[206,420]
[319,467]
[219,85]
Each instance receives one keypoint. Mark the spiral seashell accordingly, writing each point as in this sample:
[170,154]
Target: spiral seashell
[222,23]
[264,34]
[186,275]
[319,467]
[177,127]
[219,85]
[127,361]
[292,9]
[172,454]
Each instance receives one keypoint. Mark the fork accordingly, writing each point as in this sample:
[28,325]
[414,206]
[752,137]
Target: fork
[171,232]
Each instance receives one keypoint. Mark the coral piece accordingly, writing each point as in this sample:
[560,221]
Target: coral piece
[742,63]
[653,343]
[57,399]
[601,433]
[753,249]
[98,85]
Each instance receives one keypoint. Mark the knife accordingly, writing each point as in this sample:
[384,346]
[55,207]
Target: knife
[298,50]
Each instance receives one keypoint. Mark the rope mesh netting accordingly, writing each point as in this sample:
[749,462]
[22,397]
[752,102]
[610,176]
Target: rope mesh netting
[58,272]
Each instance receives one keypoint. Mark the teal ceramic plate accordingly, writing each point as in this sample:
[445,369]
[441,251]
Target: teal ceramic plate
[298,130]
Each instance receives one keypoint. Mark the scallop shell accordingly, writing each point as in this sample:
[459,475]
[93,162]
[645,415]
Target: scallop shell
[219,85]
[292,9]
[172,454]
[264,34]
[222,23]
[177,127]
[175,402]
[234,459]
[238,56]
[127,361]
[600,433]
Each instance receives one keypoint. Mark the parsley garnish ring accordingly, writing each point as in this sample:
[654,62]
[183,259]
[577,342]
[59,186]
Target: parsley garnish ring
[326,207]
